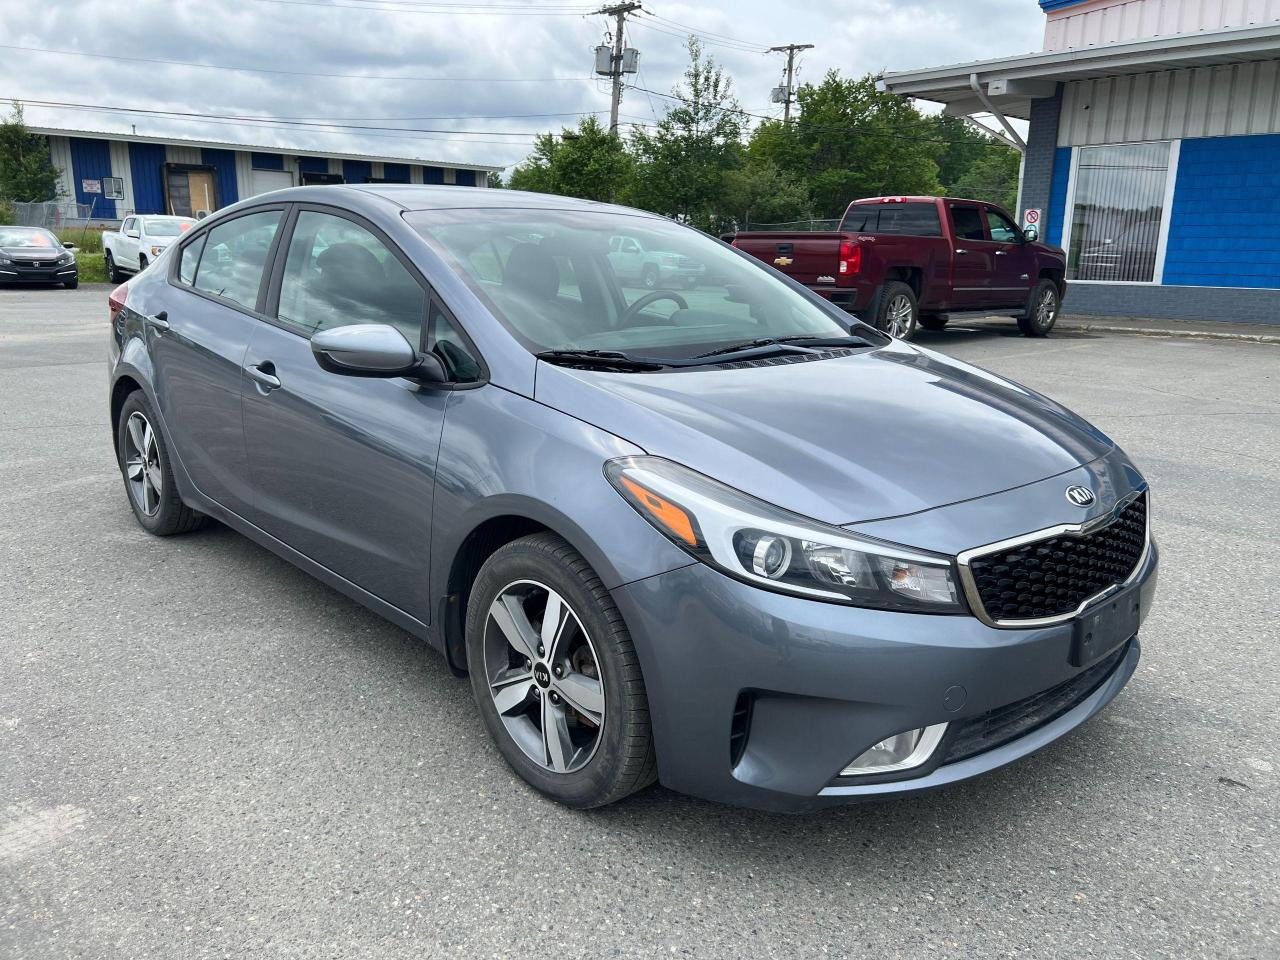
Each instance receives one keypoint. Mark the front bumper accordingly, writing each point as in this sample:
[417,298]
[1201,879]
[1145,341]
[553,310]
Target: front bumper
[26,274]
[821,683]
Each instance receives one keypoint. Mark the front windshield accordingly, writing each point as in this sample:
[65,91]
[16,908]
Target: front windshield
[587,280]
[167,228]
[27,237]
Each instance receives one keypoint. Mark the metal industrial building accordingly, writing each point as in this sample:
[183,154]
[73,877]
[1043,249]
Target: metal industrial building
[117,174]
[1153,153]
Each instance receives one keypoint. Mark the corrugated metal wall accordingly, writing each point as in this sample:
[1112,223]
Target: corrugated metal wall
[60,154]
[1125,20]
[396,172]
[357,171]
[91,160]
[1229,100]
[224,164]
[146,170]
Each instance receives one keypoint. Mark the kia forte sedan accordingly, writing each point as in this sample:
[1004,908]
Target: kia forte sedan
[711,537]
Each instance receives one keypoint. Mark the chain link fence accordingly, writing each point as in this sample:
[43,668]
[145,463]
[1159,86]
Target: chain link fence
[52,214]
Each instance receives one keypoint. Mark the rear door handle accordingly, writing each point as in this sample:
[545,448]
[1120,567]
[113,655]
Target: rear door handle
[160,321]
[264,374]
[1002,253]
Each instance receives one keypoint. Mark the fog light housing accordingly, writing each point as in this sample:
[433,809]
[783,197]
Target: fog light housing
[902,751]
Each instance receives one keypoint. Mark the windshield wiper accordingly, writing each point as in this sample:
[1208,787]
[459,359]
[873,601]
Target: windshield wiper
[800,344]
[600,360]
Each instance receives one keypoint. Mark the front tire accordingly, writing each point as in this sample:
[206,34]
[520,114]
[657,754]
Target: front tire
[148,474]
[1042,310]
[649,278]
[898,314]
[71,284]
[555,675]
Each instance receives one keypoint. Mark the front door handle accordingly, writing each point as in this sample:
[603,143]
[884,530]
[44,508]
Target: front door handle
[264,374]
[959,250]
[160,321]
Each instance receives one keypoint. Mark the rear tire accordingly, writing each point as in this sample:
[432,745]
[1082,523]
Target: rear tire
[591,653]
[148,473]
[113,272]
[933,321]
[897,313]
[1042,310]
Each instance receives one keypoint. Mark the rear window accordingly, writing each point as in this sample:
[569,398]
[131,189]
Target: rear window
[893,219]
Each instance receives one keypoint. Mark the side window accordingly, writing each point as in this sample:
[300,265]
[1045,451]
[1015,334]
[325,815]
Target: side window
[128,225]
[1002,228]
[338,273]
[447,343]
[968,223]
[190,257]
[235,256]
[630,246]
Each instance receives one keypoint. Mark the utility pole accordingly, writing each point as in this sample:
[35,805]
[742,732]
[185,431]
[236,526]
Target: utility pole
[616,69]
[788,90]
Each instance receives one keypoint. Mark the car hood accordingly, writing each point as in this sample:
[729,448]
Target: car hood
[32,253]
[861,437]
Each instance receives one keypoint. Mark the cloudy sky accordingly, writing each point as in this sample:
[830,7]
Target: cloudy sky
[475,79]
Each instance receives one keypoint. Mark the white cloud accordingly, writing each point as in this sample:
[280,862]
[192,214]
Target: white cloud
[472,51]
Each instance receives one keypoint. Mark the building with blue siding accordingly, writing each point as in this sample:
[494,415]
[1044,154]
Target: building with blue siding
[1151,153]
[121,174]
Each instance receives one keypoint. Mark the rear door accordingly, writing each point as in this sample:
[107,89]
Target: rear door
[344,467]
[216,293]
[974,256]
[1014,270]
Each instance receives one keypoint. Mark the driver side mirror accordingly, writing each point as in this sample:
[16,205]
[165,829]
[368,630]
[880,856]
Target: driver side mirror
[374,350]
[1031,233]
[68,245]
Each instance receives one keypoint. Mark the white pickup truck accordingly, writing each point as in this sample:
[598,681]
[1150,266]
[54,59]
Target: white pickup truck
[138,242]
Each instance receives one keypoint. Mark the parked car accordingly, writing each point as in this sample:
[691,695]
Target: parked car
[35,255]
[652,269]
[900,263]
[139,241]
[726,544]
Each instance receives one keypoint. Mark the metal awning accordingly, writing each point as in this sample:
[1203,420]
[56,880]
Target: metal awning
[1007,86]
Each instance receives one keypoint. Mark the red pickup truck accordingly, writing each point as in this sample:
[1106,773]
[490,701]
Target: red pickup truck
[901,263]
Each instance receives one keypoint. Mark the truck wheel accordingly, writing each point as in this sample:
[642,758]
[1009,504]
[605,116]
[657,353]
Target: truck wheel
[898,314]
[142,263]
[113,272]
[933,321]
[1042,310]
[649,277]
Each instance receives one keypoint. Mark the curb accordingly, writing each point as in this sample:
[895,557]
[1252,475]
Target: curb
[1173,332]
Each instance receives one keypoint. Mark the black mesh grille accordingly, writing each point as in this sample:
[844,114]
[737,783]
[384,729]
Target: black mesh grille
[1054,576]
[995,727]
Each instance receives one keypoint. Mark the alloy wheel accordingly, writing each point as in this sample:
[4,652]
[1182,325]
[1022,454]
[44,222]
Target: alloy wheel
[142,465]
[544,676]
[898,317]
[1046,310]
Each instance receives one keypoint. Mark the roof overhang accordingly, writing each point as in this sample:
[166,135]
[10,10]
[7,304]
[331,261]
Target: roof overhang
[1010,84]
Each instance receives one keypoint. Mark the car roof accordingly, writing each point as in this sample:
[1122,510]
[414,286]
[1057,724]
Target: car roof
[413,196]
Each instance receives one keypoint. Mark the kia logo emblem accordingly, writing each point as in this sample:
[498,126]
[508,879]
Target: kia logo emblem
[1080,496]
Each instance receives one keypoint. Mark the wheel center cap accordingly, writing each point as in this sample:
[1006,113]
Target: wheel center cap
[542,676]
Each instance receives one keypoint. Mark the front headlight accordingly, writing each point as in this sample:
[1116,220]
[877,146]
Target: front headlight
[771,547]
[5,262]
[156,251]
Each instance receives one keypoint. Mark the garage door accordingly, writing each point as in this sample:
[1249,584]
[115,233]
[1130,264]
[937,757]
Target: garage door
[264,181]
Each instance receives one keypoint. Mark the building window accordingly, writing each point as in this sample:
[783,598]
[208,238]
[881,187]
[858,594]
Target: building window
[1117,212]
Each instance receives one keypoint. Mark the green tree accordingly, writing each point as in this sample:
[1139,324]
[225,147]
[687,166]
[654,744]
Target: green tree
[758,192]
[992,177]
[589,162]
[494,180]
[26,171]
[681,166]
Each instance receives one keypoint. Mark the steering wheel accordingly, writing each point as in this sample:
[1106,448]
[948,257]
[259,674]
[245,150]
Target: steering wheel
[648,298]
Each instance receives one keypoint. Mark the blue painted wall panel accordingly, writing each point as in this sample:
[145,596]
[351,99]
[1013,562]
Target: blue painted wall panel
[1224,227]
[465,178]
[146,169]
[395,172]
[1057,213]
[357,171]
[433,175]
[224,164]
[268,161]
[91,160]
[313,164]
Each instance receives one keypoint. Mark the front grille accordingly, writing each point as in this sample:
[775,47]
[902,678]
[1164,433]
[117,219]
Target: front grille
[1052,577]
[989,730]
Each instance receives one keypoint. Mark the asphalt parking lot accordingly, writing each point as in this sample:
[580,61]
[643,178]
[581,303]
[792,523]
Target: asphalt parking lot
[205,753]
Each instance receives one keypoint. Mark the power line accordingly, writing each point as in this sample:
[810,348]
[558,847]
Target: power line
[293,73]
[658,28]
[518,10]
[707,34]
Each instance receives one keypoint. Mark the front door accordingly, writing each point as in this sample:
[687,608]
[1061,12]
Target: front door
[972,257]
[199,358]
[1011,278]
[344,467]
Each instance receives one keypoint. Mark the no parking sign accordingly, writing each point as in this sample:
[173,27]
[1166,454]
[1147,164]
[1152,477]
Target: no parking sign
[1031,217]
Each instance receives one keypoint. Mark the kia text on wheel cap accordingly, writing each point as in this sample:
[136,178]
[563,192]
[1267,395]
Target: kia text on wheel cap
[1080,496]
